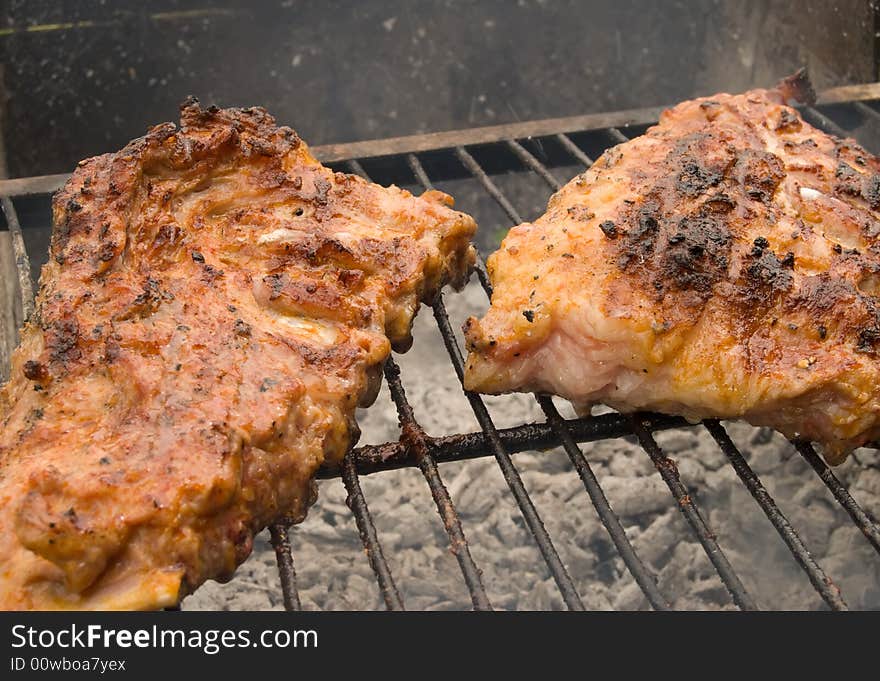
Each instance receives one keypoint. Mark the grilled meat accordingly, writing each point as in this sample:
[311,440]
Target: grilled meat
[216,305]
[725,264]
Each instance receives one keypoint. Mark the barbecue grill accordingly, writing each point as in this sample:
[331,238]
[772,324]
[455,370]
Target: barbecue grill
[480,157]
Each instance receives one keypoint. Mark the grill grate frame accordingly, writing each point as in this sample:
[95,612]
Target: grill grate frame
[416,448]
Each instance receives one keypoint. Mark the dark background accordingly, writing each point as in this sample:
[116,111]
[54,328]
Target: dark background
[83,77]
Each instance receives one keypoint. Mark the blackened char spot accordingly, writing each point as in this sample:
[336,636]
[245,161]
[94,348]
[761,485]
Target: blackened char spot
[639,242]
[789,121]
[62,339]
[759,173]
[168,234]
[609,229]
[871,191]
[276,284]
[821,294]
[690,254]
[60,238]
[694,178]
[698,162]
[719,203]
[322,187]
[766,275]
[869,338]
[211,274]
[696,256]
[848,180]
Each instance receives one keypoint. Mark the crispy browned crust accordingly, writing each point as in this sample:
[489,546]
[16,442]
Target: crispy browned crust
[216,305]
[723,264]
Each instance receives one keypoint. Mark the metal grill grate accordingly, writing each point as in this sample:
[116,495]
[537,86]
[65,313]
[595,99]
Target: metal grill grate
[455,155]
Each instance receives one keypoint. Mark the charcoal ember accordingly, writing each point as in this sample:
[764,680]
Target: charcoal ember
[544,596]
[519,558]
[721,480]
[765,459]
[359,591]
[711,590]
[465,475]
[637,496]
[794,468]
[867,490]
[852,562]
[627,463]
[630,597]
[596,597]
[697,603]
[479,495]
[761,436]
[868,457]
[686,567]
[414,528]
[426,586]
[816,522]
[602,451]
[675,441]
[660,538]
[570,488]
[811,490]
[509,528]
[581,564]
[442,606]
[420,602]
[691,471]
[506,601]
[320,530]
[538,481]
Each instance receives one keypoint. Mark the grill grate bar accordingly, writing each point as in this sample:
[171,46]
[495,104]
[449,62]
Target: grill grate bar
[669,472]
[419,171]
[617,136]
[22,264]
[367,531]
[283,556]
[866,111]
[530,436]
[574,150]
[414,437]
[827,589]
[663,464]
[865,523]
[471,164]
[819,120]
[536,166]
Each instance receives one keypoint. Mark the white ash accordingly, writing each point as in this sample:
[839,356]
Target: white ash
[333,572]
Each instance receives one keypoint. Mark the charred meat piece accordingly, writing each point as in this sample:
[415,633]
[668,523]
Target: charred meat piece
[725,264]
[216,306]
